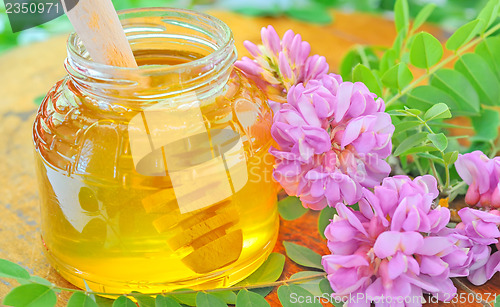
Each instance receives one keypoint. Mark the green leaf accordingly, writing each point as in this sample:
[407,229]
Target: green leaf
[427,155]
[439,140]
[353,58]
[489,49]
[456,85]
[313,13]
[36,280]
[419,149]
[464,34]
[268,272]
[324,219]
[437,111]
[311,285]
[10,269]
[164,301]
[486,126]
[426,50]
[228,297]
[413,112]
[208,300]
[388,60]
[124,301]
[296,296]
[398,43]
[450,157]
[425,97]
[401,15]
[410,142]
[31,295]
[397,77]
[480,75]
[184,298]
[262,291]
[363,74]
[303,255]
[247,298]
[349,61]
[103,301]
[79,299]
[290,208]
[144,300]
[406,125]
[489,13]
[497,301]
[405,113]
[324,286]
[423,15]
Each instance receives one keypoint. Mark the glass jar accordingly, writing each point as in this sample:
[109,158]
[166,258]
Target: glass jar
[158,177]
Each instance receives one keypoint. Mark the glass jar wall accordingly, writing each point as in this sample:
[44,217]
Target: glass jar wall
[159,177]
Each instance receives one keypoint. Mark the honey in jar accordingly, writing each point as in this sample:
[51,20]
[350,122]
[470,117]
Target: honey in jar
[158,177]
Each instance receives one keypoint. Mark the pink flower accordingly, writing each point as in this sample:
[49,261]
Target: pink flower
[408,203]
[282,63]
[483,177]
[332,138]
[390,247]
[476,232]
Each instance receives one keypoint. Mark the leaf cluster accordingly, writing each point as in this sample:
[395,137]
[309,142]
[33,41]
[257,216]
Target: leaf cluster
[464,84]
[36,291]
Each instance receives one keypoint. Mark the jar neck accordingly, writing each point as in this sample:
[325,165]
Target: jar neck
[179,52]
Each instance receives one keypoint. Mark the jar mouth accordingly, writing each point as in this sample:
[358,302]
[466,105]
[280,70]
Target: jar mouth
[77,51]
[159,29]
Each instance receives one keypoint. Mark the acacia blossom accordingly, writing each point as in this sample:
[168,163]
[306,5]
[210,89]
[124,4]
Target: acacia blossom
[389,250]
[332,139]
[476,232]
[483,177]
[281,62]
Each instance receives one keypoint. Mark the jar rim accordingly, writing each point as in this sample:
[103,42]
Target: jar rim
[228,42]
[174,28]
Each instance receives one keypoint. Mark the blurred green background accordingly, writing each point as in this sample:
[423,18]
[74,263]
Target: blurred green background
[449,13]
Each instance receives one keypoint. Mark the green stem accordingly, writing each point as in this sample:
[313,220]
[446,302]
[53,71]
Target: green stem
[494,150]
[362,55]
[426,125]
[457,186]
[447,172]
[434,171]
[442,64]
[419,167]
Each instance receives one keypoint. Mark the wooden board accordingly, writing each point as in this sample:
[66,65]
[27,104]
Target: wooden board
[29,72]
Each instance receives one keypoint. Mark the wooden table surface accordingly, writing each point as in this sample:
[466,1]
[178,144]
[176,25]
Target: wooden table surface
[29,72]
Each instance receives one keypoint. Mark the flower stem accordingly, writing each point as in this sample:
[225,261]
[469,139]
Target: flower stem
[434,171]
[447,172]
[362,55]
[453,191]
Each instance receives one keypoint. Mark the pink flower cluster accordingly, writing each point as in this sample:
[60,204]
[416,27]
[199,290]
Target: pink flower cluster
[332,141]
[483,177]
[332,138]
[397,245]
[282,63]
[476,232]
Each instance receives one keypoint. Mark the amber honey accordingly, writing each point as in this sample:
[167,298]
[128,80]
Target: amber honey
[125,207]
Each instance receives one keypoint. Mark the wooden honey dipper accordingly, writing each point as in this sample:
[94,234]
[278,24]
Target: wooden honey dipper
[101,32]
[207,236]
